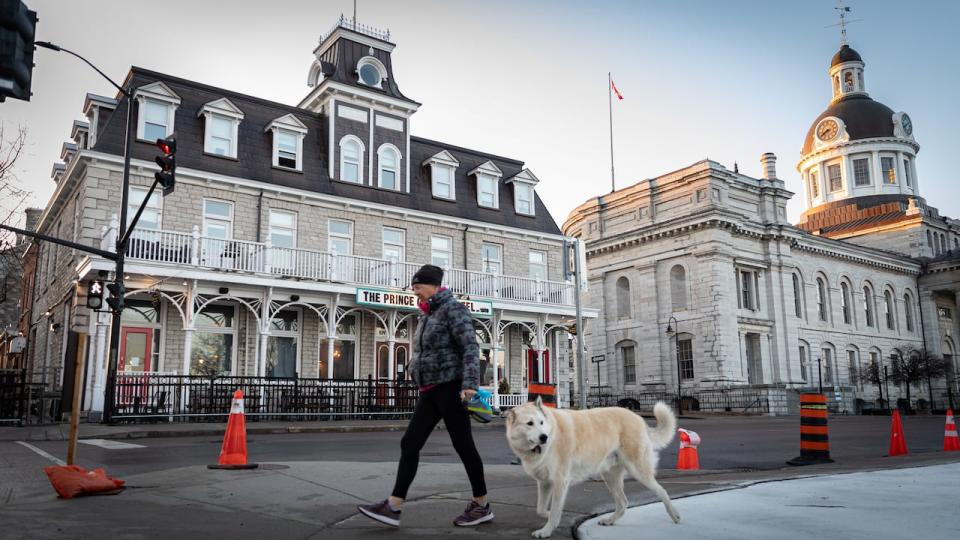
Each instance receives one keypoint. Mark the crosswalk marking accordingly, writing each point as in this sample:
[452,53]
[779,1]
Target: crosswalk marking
[110,445]
[56,460]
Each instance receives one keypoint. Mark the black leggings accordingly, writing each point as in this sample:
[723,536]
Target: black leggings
[441,402]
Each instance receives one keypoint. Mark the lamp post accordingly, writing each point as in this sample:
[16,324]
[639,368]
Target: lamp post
[122,236]
[820,374]
[671,330]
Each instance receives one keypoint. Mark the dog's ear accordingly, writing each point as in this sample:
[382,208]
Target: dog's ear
[511,415]
[539,403]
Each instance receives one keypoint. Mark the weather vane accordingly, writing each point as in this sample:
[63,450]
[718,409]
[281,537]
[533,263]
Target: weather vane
[843,21]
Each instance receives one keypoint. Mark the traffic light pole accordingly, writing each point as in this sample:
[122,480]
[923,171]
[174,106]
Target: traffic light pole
[110,393]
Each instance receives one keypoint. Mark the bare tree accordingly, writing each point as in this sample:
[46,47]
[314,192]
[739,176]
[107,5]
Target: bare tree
[918,366]
[873,374]
[13,197]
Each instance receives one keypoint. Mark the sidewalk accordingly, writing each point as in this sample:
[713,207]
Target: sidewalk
[900,503]
[60,432]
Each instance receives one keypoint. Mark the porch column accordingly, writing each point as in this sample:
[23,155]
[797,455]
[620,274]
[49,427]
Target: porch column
[187,350]
[332,321]
[391,341]
[188,328]
[262,364]
[495,354]
[100,372]
[264,330]
[540,347]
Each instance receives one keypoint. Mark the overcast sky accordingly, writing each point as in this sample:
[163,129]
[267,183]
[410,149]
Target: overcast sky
[727,80]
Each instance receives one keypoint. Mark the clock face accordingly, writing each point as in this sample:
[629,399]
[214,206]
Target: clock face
[906,123]
[827,130]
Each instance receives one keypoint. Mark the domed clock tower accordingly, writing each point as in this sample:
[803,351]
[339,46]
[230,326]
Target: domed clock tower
[858,161]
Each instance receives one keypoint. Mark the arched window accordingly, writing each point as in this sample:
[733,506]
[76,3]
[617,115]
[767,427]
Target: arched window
[908,311]
[805,361]
[828,363]
[821,299]
[868,305]
[388,158]
[845,302]
[853,366]
[943,243]
[929,239]
[678,288]
[623,298]
[888,309]
[627,351]
[351,159]
[797,297]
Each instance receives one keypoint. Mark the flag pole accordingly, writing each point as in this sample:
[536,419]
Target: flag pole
[613,184]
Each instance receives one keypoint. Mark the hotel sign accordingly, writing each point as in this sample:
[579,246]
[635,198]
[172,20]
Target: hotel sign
[404,300]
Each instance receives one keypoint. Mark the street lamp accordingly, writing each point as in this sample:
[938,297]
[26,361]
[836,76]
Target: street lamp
[820,374]
[122,237]
[671,330]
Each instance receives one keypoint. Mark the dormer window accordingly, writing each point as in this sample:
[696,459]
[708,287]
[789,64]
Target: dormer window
[157,106]
[351,159]
[487,192]
[371,72]
[523,195]
[223,123]
[488,183]
[288,133]
[388,157]
[443,168]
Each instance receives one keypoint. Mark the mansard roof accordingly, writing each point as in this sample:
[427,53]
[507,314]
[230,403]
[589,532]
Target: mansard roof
[254,158]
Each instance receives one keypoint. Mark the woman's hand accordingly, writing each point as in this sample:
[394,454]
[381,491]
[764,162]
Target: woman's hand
[465,395]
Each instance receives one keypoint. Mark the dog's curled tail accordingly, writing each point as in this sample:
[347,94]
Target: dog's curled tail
[661,435]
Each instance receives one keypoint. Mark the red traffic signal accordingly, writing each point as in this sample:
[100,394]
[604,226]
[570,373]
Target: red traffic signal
[168,164]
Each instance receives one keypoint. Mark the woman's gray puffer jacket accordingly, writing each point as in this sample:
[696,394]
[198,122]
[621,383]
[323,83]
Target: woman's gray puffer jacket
[445,344]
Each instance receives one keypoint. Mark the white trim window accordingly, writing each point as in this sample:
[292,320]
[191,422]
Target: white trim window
[156,109]
[488,196]
[861,172]
[834,177]
[351,159]
[523,198]
[283,238]
[340,237]
[492,257]
[748,282]
[441,251]
[288,134]
[221,128]
[283,350]
[214,342]
[443,170]
[218,219]
[394,244]
[388,166]
[907,172]
[538,265]
[888,166]
[152,214]
[371,72]
[823,310]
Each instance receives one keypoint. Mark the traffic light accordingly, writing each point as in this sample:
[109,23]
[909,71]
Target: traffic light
[167,163]
[95,295]
[115,301]
[17,27]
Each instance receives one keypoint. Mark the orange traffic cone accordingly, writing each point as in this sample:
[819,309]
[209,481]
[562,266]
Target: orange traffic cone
[898,444]
[951,442]
[688,459]
[233,453]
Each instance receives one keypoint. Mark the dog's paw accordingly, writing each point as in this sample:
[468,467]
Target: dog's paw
[543,533]
[606,522]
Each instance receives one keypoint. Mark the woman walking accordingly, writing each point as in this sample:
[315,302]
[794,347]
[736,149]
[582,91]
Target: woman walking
[445,365]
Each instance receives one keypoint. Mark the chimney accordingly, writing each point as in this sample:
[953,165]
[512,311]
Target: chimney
[769,163]
[33,218]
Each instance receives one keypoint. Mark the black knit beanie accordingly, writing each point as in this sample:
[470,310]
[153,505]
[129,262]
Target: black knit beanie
[428,274]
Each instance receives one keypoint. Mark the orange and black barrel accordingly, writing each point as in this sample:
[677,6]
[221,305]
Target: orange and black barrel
[546,392]
[814,437]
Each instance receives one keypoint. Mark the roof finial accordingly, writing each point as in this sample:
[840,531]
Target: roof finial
[843,21]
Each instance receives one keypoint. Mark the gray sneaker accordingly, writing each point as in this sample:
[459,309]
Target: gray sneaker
[381,512]
[474,514]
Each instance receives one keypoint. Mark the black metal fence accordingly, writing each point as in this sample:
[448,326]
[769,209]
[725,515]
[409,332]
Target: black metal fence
[23,402]
[740,400]
[156,398]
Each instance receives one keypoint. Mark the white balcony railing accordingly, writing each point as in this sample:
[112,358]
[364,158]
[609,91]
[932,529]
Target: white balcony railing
[192,249]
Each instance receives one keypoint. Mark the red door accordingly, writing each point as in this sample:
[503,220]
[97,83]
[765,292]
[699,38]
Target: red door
[538,371]
[135,350]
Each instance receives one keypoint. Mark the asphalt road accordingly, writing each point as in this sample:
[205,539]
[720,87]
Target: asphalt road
[743,443]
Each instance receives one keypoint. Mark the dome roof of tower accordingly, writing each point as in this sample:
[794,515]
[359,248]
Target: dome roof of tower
[863,117]
[845,54]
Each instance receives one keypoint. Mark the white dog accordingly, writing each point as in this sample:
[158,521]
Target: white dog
[561,447]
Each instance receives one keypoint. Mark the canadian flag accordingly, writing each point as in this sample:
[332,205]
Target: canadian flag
[615,91]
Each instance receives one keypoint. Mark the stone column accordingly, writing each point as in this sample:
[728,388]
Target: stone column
[931,322]
[100,371]
[495,356]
